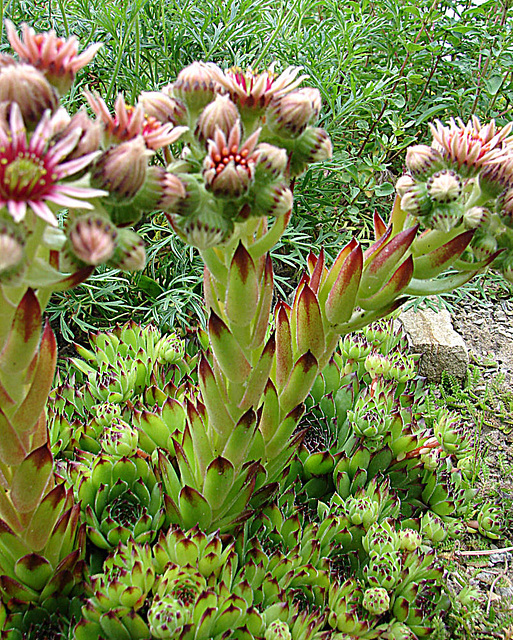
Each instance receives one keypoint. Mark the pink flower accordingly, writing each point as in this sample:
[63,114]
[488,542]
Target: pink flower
[58,59]
[470,145]
[30,173]
[229,166]
[251,89]
[129,122]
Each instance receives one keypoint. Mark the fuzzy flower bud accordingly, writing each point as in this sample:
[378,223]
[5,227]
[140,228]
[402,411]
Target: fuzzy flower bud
[289,115]
[445,217]
[273,200]
[483,246]
[129,254]
[504,206]
[11,247]
[422,161]
[404,184]
[221,113]
[278,630]
[163,107]
[161,190]
[203,229]
[416,201]
[271,161]
[92,238]
[477,217]
[121,170]
[195,86]
[26,86]
[376,601]
[314,145]
[444,186]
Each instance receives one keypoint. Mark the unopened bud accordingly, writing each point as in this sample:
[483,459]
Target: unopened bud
[289,115]
[404,184]
[483,246]
[161,190]
[445,217]
[477,217]
[163,107]
[409,539]
[92,238]
[444,186]
[504,206]
[90,138]
[204,228]
[195,86]
[25,85]
[121,170]
[416,201]
[119,438]
[272,200]
[422,161]
[221,113]
[271,162]
[129,254]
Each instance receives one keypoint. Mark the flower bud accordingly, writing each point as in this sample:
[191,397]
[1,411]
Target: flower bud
[25,85]
[289,115]
[477,217]
[92,238]
[416,201]
[129,254]
[445,217]
[483,246]
[271,162]
[161,190]
[273,200]
[376,601]
[204,228]
[444,186]
[314,145]
[121,170]
[221,113]
[504,207]
[195,86]
[404,184]
[163,107]
[278,630]
[422,161]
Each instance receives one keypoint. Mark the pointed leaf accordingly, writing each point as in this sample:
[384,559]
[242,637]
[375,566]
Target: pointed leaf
[269,419]
[264,304]
[341,299]
[309,325]
[195,509]
[300,382]
[12,450]
[240,439]
[23,336]
[284,357]
[31,479]
[259,376]
[34,571]
[215,402]
[218,481]
[227,350]
[33,405]
[242,290]
[435,262]
[392,289]
[45,518]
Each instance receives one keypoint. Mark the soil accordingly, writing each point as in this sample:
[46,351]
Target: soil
[487,328]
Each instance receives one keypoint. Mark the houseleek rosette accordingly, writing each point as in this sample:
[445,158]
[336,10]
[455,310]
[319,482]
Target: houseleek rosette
[121,498]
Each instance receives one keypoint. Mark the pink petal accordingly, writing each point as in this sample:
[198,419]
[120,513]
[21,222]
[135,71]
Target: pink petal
[64,146]
[43,211]
[59,198]
[17,209]
[69,168]
[18,131]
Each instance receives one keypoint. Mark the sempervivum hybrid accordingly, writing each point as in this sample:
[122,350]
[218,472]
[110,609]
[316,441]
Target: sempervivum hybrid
[32,173]
[121,499]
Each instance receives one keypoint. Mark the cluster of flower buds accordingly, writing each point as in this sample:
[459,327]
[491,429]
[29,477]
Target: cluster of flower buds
[464,181]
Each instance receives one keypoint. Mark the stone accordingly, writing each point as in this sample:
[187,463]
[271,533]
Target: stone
[431,334]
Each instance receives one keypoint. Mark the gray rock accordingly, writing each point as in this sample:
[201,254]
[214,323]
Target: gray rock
[431,334]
